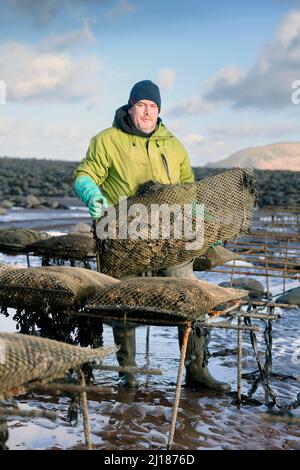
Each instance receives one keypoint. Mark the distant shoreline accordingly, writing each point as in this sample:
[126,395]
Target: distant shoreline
[49,183]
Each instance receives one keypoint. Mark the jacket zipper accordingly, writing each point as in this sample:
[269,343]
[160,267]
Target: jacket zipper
[165,163]
[147,149]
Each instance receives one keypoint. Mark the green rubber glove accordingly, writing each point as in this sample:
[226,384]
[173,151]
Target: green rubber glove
[91,195]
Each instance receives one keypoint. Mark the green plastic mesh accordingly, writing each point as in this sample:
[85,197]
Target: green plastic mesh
[161,299]
[71,246]
[49,288]
[28,359]
[17,240]
[228,198]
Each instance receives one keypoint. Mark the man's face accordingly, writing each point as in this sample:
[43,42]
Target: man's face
[144,115]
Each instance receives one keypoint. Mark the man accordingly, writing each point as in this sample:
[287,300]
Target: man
[136,149]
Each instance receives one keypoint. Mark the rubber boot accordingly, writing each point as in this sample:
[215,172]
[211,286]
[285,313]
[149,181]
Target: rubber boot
[124,336]
[197,373]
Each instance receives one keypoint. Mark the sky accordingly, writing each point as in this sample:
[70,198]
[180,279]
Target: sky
[225,70]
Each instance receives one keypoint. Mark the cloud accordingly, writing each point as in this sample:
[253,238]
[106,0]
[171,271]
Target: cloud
[19,137]
[267,84]
[166,79]
[40,11]
[289,30]
[251,129]
[122,7]
[35,76]
[204,149]
[231,75]
[192,106]
[25,139]
[219,142]
[59,43]
[193,139]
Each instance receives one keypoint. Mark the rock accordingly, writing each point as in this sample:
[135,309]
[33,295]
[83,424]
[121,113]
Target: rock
[55,205]
[24,185]
[255,288]
[2,211]
[32,201]
[291,296]
[6,204]
[81,228]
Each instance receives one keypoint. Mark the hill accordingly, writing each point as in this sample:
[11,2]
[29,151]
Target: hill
[281,156]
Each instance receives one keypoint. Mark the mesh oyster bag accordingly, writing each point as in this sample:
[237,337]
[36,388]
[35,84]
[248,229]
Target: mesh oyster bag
[159,299]
[26,359]
[216,256]
[71,246]
[17,240]
[228,200]
[49,288]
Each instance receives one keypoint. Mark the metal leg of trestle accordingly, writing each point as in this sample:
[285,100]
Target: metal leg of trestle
[147,359]
[28,261]
[179,383]
[85,413]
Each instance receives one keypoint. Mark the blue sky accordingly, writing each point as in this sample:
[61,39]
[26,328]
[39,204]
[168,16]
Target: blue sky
[225,70]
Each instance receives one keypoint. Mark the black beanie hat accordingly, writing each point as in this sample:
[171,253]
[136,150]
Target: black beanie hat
[145,90]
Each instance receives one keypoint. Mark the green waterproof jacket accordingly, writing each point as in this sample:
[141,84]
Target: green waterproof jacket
[119,162]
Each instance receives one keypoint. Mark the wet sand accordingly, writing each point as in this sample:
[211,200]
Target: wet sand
[141,419]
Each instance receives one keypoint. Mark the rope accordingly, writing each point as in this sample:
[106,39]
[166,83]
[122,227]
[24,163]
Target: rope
[264,370]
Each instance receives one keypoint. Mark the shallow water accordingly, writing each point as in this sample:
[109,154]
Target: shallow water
[141,419]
